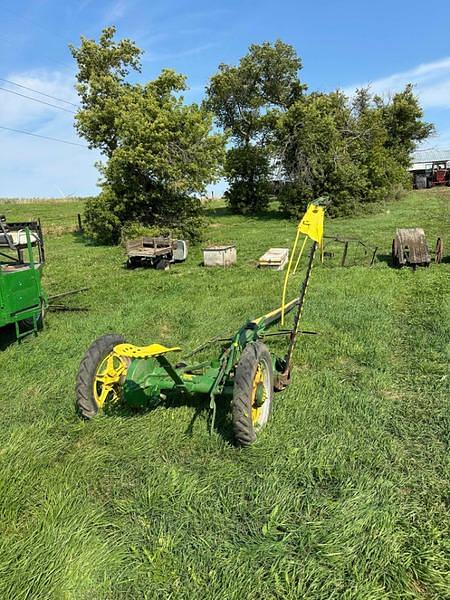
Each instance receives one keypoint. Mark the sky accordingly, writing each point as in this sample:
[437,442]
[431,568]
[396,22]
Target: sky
[343,44]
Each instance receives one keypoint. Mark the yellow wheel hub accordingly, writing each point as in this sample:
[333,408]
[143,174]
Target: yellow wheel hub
[107,378]
[258,395]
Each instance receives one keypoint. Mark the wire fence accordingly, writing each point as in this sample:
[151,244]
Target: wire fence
[56,216]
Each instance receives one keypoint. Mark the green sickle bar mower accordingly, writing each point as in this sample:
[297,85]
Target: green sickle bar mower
[114,371]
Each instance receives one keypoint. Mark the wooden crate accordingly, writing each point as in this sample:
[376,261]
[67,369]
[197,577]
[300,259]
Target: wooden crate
[274,258]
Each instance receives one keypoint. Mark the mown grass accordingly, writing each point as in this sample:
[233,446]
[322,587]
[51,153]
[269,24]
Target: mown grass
[346,493]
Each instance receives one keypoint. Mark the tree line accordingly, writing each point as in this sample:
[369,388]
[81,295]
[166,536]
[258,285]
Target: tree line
[258,126]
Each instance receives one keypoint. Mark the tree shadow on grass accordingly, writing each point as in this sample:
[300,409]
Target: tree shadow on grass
[271,214]
[81,238]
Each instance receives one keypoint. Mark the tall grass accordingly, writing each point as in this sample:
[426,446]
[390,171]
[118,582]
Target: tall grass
[346,493]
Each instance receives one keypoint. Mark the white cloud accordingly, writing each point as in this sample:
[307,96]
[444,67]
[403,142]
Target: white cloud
[431,83]
[15,109]
[32,166]
[116,11]
[154,57]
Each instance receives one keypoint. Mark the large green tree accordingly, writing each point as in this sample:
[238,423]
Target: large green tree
[160,152]
[246,100]
[354,150]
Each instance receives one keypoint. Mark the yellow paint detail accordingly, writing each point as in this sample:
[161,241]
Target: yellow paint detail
[131,351]
[108,377]
[286,277]
[311,224]
[274,312]
[258,380]
[299,255]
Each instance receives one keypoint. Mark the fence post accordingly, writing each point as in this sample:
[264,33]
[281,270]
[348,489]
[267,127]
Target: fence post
[344,256]
[80,223]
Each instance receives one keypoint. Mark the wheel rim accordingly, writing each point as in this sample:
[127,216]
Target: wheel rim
[260,396]
[107,379]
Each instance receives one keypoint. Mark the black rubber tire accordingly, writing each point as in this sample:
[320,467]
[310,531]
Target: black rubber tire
[84,394]
[162,265]
[133,262]
[245,432]
[421,182]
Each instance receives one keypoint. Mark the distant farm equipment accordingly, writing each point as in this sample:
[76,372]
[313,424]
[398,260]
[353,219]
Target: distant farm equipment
[23,301]
[157,252]
[22,256]
[432,174]
[410,248]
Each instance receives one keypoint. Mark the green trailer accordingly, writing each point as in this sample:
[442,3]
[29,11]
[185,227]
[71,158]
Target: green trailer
[22,256]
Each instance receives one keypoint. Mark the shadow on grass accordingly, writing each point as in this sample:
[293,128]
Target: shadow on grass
[387,258]
[270,214]
[7,337]
[81,238]
[222,425]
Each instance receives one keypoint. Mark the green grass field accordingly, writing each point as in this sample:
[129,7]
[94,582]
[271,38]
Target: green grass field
[346,493]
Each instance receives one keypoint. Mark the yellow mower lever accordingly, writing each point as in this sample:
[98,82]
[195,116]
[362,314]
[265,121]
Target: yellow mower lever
[153,350]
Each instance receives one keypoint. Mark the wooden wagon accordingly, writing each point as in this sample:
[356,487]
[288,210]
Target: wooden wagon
[157,252]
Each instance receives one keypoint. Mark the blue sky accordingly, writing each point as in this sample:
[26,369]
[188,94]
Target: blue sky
[342,44]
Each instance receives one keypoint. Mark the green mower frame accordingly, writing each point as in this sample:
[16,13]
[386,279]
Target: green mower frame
[114,371]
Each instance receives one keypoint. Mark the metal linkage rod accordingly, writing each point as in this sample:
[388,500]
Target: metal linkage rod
[298,314]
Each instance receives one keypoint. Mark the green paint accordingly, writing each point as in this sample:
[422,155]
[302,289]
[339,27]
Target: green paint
[21,293]
[151,379]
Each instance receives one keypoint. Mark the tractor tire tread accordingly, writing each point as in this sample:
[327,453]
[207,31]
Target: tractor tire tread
[84,382]
[244,432]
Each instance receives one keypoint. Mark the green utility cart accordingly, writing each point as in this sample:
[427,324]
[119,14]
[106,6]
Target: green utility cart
[22,256]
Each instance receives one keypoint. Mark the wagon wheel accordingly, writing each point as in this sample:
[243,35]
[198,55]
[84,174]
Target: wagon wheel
[100,376]
[394,254]
[133,262]
[253,393]
[439,252]
[163,264]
